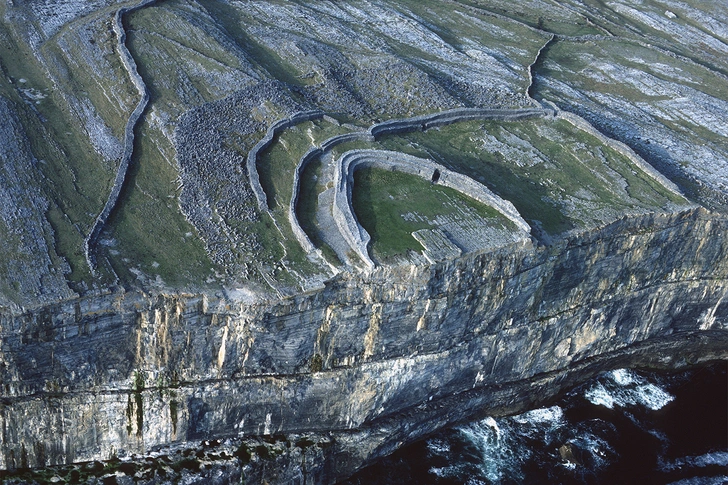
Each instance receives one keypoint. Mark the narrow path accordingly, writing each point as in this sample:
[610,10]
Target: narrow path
[91,240]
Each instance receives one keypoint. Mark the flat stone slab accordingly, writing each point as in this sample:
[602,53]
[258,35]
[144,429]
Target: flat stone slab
[437,245]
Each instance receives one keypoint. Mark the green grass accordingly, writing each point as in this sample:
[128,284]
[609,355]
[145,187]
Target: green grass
[561,21]
[452,147]
[308,206]
[77,181]
[452,23]
[382,200]
[574,61]
[579,177]
[277,164]
[151,233]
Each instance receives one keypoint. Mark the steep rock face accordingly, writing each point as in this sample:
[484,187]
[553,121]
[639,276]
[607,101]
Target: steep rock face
[370,361]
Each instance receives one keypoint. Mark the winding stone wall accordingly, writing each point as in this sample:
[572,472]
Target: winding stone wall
[424,122]
[351,161]
[529,89]
[407,125]
[131,68]
[346,138]
[265,142]
[312,154]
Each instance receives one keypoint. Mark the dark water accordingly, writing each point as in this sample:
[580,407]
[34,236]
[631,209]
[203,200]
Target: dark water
[623,427]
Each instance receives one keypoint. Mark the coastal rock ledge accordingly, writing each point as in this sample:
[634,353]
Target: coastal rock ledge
[309,388]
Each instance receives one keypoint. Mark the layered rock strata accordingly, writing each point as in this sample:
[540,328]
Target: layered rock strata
[369,362]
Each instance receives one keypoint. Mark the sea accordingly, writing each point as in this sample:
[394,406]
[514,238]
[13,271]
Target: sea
[622,427]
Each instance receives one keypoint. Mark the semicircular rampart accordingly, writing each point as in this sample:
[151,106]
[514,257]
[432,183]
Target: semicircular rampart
[389,127]
[351,161]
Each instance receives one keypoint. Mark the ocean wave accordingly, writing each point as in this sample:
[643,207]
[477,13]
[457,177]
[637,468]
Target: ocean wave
[624,388]
[554,414]
[717,480]
[716,458]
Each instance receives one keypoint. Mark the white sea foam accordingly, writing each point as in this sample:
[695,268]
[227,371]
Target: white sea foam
[475,481]
[718,458]
[438,446]
[598,448]
[623,377]
[554,414]
[497,448]
[718,480]
[493,424]
[598,394]
[623,388]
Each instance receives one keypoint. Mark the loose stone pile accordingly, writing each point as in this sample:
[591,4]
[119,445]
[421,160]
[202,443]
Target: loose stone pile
[212,143]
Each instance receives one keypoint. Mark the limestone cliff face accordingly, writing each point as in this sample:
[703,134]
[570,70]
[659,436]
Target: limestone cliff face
[372,360]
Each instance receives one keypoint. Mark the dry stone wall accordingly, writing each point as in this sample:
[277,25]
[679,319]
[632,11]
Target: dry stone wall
[424,122]
[265,142]
[407,125]
[348,163]
[131,68]
[312,154]
[353,233]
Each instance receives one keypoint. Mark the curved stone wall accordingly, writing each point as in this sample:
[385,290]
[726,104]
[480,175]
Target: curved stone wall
[425,122]
[265,142]
[407,125]
[349,162]
[312,154]
[346,138]
[354,234]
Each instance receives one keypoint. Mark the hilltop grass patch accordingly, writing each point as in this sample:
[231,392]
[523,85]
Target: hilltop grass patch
[557,176]
[391,205]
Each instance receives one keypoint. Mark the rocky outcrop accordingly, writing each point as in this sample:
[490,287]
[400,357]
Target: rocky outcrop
[369,362]
[308,387]
[622,149]
[30,273]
